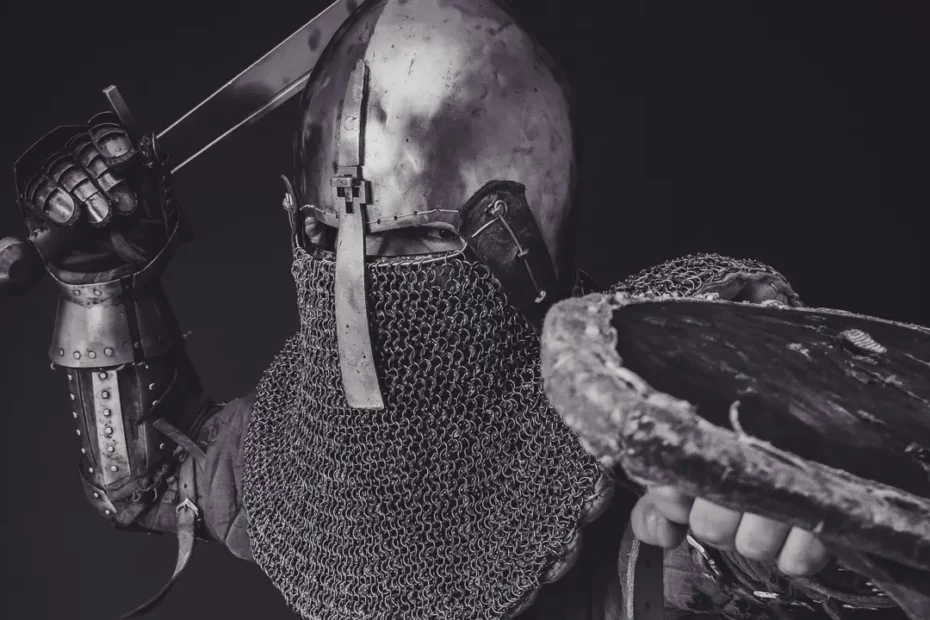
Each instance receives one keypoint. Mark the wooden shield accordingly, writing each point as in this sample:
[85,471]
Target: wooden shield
[815,417]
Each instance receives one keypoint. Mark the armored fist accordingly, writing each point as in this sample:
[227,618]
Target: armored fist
[95,201]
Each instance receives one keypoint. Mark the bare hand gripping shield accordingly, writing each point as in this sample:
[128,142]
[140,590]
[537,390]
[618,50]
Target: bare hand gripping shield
[813,417]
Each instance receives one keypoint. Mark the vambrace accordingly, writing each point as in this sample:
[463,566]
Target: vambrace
[136,401]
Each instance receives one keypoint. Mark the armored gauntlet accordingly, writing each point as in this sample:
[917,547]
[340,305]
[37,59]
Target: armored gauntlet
[104,202]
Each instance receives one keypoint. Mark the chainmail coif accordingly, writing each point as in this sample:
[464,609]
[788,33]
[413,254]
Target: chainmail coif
[450,503]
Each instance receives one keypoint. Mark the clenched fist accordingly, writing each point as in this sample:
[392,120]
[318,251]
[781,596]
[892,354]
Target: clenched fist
[93,200]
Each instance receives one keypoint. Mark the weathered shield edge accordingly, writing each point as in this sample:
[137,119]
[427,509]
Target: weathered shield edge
[659,439]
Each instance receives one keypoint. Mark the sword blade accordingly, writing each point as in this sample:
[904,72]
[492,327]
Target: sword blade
[268,83]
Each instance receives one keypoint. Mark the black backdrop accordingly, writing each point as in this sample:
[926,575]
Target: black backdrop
[794,138]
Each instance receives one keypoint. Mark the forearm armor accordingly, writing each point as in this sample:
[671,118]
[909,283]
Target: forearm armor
[135,397]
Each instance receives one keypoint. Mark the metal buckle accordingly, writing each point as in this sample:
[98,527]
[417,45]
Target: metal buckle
[189,505]
[716,573]
[498,210]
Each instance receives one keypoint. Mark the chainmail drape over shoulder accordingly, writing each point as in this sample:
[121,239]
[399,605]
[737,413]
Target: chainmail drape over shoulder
[450,503]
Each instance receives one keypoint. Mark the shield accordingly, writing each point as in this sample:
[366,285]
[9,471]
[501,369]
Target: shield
[815,417]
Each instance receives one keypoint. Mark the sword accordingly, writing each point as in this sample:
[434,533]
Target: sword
[264,86]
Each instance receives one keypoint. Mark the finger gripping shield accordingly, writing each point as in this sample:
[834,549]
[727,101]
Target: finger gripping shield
[817,418]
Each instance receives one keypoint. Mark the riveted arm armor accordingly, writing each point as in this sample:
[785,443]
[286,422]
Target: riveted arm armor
[105,198]
[98,208]
[136,399]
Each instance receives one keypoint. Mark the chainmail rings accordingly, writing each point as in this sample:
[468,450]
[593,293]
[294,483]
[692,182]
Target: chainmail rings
[453,501]
[694,274]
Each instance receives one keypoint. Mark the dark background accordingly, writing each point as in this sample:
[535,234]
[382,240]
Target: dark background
[798,139]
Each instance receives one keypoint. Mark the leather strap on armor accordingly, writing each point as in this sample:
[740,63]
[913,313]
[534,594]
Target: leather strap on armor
[187,517]
[645,581]
[169,430]
[499,228]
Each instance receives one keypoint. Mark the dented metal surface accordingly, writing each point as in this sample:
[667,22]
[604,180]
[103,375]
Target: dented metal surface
[114,322]
[459,96]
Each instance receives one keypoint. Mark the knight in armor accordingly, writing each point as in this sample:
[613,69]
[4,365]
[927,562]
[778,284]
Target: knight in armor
[399,458]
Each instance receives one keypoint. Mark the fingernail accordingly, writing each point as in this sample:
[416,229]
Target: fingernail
[652,523]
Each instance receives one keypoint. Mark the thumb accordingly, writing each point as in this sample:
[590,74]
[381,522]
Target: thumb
[652,528]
